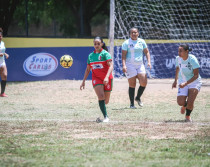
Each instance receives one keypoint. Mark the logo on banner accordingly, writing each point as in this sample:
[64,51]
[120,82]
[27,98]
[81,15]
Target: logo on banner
[40,64]
[171,63]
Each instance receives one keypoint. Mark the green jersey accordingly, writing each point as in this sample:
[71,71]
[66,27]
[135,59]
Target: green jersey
[98,64]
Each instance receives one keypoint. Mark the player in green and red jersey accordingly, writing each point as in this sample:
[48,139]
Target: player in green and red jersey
[100,62]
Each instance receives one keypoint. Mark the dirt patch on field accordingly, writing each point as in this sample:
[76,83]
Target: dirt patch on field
[124,130]
[63,100]
[111,130]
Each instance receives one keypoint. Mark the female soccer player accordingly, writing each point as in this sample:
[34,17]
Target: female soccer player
[132,61]
[189,80]
[3,67]
[100,62]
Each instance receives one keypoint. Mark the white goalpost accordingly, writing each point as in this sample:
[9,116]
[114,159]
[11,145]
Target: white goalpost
[111,29]
[163,24]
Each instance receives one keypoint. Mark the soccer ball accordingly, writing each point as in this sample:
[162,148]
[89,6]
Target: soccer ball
[66,61]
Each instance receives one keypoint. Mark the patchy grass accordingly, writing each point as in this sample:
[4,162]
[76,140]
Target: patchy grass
[52,123]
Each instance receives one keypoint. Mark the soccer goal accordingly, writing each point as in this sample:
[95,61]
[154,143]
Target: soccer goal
[163,24]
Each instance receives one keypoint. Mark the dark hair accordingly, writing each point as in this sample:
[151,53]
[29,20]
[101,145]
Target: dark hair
[104,45]
[132,29]
[186,47]
[1,30]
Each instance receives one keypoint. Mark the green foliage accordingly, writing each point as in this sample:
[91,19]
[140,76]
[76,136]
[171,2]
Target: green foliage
[65,14]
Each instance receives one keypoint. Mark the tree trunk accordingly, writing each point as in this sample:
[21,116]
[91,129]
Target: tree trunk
[7,9]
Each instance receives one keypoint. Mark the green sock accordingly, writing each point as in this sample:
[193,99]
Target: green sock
[103,107]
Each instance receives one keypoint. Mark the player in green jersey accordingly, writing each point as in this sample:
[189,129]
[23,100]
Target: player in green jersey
[100,62]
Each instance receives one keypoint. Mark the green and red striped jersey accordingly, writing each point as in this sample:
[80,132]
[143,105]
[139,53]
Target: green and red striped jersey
[98,64]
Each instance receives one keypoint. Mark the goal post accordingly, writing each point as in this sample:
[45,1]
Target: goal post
[164,25]
[111,28]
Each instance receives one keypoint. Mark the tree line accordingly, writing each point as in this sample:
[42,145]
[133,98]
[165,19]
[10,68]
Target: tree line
[74,17]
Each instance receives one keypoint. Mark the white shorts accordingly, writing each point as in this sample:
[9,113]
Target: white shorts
[134,70]
[2,63]
[184,91]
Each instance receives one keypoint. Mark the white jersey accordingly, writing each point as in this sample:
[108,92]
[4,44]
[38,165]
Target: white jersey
[134,50]
[186,68]
[2,50]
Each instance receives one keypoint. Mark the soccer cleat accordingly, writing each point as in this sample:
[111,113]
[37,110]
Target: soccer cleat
[106,119]
[132,107]
[3,95]
[183,109]
[188,119]
[139,102]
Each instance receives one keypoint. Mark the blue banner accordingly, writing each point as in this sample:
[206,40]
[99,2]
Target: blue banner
[37,64]
[163,57]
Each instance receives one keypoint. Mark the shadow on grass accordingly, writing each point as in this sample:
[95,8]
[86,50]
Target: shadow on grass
[175,121]
[127,108]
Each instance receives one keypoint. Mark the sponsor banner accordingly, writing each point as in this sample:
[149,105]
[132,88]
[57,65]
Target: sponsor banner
[163,58]
[37,64]
[40,64]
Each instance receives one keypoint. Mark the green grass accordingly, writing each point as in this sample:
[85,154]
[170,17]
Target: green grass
[57,150]
[52,123]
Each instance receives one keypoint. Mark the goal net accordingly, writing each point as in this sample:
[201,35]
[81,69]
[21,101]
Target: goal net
[164,25]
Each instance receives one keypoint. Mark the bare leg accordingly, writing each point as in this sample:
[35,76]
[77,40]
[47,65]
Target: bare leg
[132,82]
[191,98]
[99,89]
[181,100]
[142,79]
[107,97]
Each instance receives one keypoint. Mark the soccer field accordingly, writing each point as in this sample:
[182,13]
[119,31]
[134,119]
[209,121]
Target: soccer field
[52,123]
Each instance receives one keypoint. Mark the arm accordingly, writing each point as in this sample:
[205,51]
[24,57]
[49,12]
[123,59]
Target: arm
[124,53]
[146,52]
[87,71]
[4,54]
[106,79]
[196,74]
[176,78]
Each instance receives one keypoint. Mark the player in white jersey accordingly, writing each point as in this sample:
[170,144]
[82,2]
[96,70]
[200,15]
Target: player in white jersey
[3,67]
[189,80]
[133,66]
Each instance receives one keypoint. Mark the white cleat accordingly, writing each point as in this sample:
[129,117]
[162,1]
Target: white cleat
[132,107]
[106,119]
[188,120]
[139,102]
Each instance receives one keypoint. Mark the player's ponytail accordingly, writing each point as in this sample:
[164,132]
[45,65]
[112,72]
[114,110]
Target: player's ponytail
[104,45]
[186,47]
